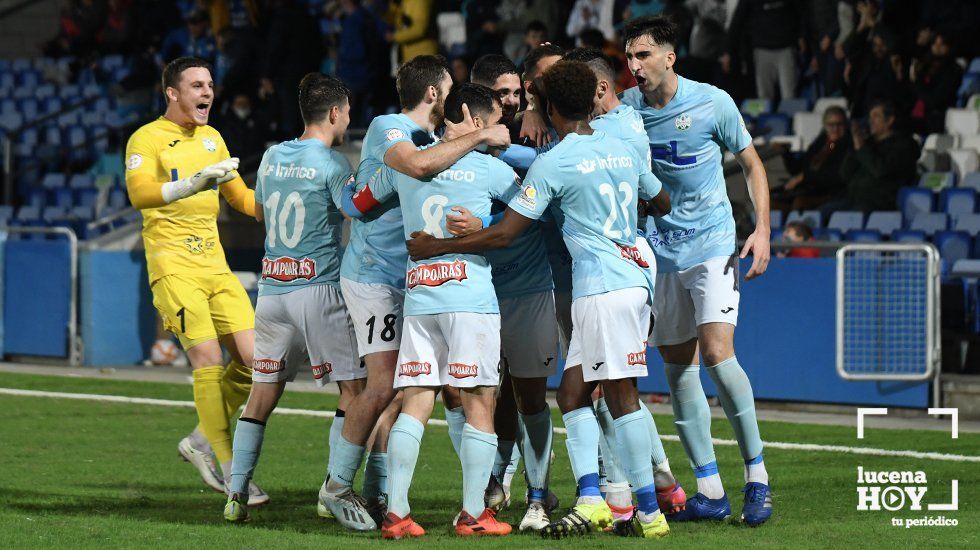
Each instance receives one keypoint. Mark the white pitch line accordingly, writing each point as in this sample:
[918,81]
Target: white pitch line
[870,451]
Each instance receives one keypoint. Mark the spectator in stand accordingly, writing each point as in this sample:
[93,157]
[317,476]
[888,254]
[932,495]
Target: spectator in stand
[415,28]
[361,56]
[81,21]
[822,29]
[535,34]
[798,232]
[241,15]
[234,67]
[820,180]
[935,80]
[482,34]
[640,8]
[773,28]
[516,18]
[459,71]
[880,76]
[879,164]
[591,14]
[193,39]
[245,131]
[292,49]
[116,36]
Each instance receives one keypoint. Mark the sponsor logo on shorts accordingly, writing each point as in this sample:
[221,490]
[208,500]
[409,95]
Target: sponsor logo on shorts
[727,309]
[598,365]
[320,370]
[633,253]
[414,368]
[286,269]
[436,274]
[268,366]
[636,358]
[462,370]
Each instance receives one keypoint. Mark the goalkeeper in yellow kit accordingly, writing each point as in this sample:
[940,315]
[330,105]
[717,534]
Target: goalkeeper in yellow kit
[173,166]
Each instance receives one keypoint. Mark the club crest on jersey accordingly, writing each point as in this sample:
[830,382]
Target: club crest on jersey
[633,254]
[414,368]
[210,145]
[436,274]
[268,366]
[320,370]
[462,370]
[683,122]
[636,358]
[393,134]
[286,269]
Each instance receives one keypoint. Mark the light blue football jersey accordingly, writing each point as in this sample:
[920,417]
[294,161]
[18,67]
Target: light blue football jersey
[686,139]
[376,252]
[298,187]
[453,282]
[595,180]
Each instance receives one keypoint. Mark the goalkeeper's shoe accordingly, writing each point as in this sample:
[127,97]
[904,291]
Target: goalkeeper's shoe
[700,507]
[256,496]
[236,509]
[394,527]
[349,508]
[671,499]
[589,514]
[496,496]
[203,460]
[485,525]
[652,528]
[757,507]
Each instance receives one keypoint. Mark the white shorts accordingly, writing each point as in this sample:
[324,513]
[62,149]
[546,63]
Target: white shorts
[306,328]
[459,349]
[609,338]
[376,311]
[529,335]
[685,300]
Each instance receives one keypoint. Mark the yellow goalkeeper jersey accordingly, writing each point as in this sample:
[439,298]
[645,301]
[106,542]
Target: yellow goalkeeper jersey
[180,237]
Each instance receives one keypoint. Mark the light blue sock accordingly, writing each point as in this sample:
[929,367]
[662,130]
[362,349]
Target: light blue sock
[583,445]
[502,458]
[515,458]
[657,453]
[404,441]
[735,394]
[375,476]
[456,418]
[347,459]
[336,428]
[607,445]
[246,447]
[476,452]
[633,448]
[536,447]
[691,413]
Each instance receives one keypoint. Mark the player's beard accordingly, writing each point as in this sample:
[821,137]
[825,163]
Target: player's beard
[438,115]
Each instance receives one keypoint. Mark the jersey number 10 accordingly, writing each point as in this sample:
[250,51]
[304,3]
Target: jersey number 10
[278,218]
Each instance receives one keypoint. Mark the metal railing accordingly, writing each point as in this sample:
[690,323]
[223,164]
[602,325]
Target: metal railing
[74,342]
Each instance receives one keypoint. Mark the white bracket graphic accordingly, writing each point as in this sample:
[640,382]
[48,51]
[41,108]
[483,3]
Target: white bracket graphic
[860,419]
[954,504]
[955,413]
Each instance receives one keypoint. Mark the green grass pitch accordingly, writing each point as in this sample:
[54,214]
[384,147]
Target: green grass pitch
[85,474]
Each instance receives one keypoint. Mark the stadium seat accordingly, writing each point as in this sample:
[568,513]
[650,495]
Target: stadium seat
[846,221]
[83,213]
[20,65]
[52,214]
[11,121]
[908,236]
[793,105]
[90,119]
[7,81]
[775,235]
[62,197]
[772,124]
[952,246]
[775,218]
[937,180]
[809,217]
[974,67]
[81,181]
[971,181]
[970,142]
[973,102]
[755,106]
[6,214]
[118,198]
[29,108]
[965,122]
[930,222]
[54,180]
[37,198]
[969,223]
[87,197]
[44,91]
[964,161]
[28,215]
[884,221]
[51,105]
[808,126]
[913,201]
[102,105]
[957,200]
[69,118]
[862,236]
[29,80]
[71,93]
[825,234]
[935,161]
[91,90]
[52,135]
[941,142]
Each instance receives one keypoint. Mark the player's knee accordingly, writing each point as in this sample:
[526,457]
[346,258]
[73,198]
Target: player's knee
[712,355]
[207,354]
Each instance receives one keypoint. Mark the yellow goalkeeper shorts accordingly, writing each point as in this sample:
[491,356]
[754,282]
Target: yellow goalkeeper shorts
[198,308]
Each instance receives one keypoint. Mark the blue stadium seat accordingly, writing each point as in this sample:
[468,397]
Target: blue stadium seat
[930,223]
[7,81]
[974,67]
[793,105]
[28,137]
[51,105]
[908,236]
[826,234]
[62,197]
[953,246]
[862,236]
[957,200]
[102,105]
[971,181]
[969,223]
[11,121]
[913,201]
[52,135]
[28,215]
[809,217]
[755,106]
[846,220]
[29,80]
[90,119]
[36,198]
[6,214]
[29,108]
[20,64]
[54,180]
[775,235]
[8,105]
[70,118]
[72,93]
[91,90]
[87,197]
[775,218]
[937,180]
[83,213]
[44,91]
[772,124]
[81,181]
[111,62]
[118,198]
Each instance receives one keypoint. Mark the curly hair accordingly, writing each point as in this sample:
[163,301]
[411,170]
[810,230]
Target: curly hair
[570,87]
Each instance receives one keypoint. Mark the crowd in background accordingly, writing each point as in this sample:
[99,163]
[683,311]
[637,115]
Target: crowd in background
[896,56]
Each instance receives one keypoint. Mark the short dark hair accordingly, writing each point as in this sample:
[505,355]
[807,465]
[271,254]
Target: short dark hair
[487,69]
[318,93]
[592,38]
[596,60]
[415,77]
[804,230]
[835,110]
[537,54]
[536,25]
[660,29]
[887,107]
[570,87]
[173,70]
[478,98]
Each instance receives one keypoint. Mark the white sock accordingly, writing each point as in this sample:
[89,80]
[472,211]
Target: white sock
[618,494]
[711,487]
[647,518]
[756,473]
[663,478]
[588,500]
